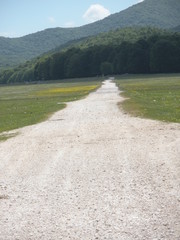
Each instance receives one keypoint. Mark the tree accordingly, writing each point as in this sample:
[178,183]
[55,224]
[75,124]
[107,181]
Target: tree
[106,68]
[138,61]
[122,56]
[57,66]
[42,70]
[164,56]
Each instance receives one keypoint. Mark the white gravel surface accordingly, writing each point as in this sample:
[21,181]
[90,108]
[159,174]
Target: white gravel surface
[91,172]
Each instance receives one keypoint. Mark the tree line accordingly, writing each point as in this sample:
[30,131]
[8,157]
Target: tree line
[154,54]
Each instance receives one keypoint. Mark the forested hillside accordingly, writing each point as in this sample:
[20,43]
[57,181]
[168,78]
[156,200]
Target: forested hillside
[176,29]
[129,50]
[161,13]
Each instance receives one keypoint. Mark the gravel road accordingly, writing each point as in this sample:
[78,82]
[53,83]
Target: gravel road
[91,172]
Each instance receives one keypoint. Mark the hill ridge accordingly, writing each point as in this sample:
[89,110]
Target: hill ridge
[161,13]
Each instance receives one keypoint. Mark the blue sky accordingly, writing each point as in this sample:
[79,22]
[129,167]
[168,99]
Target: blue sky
[21,17]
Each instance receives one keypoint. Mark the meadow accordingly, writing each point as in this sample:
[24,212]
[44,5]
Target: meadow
[147,96]
[151,96]
[22,105]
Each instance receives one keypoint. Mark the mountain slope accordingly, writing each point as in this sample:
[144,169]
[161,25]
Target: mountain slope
[157,13]
[176,29]
[161,13]
[128,50]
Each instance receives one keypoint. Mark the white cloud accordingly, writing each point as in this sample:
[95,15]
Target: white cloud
[95,12]
[140,1]
[69,24]
[8,34]
[51,20]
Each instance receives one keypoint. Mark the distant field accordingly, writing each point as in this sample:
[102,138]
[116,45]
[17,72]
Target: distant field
[152,96]
[22,105]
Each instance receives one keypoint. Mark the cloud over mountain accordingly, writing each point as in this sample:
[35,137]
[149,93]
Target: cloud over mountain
[51,20]
[95,12]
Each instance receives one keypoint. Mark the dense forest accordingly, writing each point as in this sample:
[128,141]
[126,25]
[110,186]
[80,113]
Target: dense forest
[176,29]
[131,50]
[162,14]
[157,54]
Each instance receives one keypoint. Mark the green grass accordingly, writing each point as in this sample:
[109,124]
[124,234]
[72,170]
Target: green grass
[22,105]
[152,96]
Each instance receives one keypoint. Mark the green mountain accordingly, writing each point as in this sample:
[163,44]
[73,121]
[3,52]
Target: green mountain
[156,13]
[128,50]
[176,29]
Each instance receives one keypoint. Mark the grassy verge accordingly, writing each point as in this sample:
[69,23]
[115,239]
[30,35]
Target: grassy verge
[5,136]
[24,105]
[152,96]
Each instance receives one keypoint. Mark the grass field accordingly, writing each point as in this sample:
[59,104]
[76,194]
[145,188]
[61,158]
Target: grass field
[22,105]
[152,96]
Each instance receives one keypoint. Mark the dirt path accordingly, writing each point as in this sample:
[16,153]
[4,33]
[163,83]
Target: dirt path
[91,172]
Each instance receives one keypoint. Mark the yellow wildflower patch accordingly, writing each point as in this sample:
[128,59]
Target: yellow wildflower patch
[67,90]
